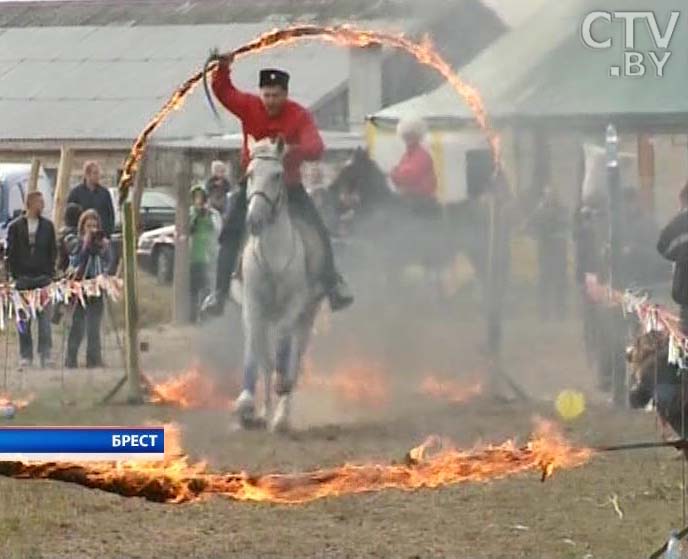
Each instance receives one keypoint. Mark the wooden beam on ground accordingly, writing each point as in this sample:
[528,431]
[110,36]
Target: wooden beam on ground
[64,172]
[182,299]
[33,175]
[131,339]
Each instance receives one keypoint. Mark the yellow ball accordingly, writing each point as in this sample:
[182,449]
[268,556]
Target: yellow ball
[570,404]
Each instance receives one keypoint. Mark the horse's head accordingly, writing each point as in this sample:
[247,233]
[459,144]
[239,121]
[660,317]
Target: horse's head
[264,185]
[360,181]
[647,363]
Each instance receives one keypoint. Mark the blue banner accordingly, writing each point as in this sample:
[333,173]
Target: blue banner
[102,443]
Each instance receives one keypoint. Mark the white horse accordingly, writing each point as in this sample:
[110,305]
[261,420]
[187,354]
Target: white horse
[280,293]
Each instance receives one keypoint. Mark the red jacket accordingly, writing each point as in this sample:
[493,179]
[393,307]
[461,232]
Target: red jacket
[295,124]
[415,173]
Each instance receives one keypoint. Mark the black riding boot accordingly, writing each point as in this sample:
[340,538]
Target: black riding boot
[230,243]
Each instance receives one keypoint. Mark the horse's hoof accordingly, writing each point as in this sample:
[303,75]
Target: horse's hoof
[245,407]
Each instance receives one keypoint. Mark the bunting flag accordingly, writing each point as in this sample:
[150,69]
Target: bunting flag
[653,317]
[24,305]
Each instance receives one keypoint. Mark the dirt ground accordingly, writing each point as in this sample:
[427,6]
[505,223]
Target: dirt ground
[569,516]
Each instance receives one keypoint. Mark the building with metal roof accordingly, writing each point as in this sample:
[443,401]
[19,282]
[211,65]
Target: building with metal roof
[89,74]
[543,69]
[105,83]
[549,93]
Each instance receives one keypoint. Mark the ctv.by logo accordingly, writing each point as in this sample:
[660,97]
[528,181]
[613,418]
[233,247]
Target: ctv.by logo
[635,63]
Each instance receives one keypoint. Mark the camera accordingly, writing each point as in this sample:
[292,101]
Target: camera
[98,236]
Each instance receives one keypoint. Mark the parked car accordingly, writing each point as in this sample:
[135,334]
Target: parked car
[158,209]
[155,253]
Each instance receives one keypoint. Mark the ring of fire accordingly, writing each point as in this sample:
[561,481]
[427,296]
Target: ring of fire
[345,36]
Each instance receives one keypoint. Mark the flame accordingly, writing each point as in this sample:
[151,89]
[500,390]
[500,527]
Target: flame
[450,390]
[190,390]
[347,36]
[175,480]
[18,403]
[355,382]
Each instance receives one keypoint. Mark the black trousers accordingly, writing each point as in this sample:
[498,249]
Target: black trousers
[301,207]
[198,282]
[44,336]
[86,320]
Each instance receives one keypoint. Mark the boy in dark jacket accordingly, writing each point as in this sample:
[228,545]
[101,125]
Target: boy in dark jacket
[673,245]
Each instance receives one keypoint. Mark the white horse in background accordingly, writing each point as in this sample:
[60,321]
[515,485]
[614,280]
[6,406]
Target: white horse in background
[280,292]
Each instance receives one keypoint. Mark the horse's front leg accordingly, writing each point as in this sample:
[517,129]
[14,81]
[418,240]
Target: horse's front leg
[290,352]
[255,359]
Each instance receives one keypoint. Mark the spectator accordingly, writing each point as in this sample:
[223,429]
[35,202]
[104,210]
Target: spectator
[218,185]
[550,226]
[90,195]
[673,245]
[91,256]
[204,227]
[69,237]
[639,263]
[414,175]
[31,254]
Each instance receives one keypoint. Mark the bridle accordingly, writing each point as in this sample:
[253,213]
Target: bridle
[275,204]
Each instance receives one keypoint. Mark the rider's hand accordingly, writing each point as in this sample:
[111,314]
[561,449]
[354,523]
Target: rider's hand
[223,60]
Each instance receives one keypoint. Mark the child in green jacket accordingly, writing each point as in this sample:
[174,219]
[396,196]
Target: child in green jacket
[203,241]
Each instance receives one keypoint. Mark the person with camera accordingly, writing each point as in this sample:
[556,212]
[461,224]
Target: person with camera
[31,255]
[91,258]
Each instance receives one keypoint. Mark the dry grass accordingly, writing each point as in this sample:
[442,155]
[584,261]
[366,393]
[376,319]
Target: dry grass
[568,517]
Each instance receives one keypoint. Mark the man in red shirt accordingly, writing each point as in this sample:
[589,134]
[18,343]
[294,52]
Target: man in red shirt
[414,175]
[269,115]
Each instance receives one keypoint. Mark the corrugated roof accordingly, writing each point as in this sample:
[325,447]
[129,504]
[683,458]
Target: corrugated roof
[543,69]
[195,12]
[106,82]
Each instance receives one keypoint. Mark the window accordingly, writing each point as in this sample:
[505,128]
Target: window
[157,200]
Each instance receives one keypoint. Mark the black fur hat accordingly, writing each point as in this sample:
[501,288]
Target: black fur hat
[271,76]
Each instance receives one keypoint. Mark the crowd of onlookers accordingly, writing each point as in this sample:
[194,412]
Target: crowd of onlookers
[36,254]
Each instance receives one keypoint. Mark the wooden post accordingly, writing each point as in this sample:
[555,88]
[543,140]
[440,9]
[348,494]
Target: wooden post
[33,175]
[131,343]
[646,170]
[64,171]
[137,190]
[181,246]
[499,246]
